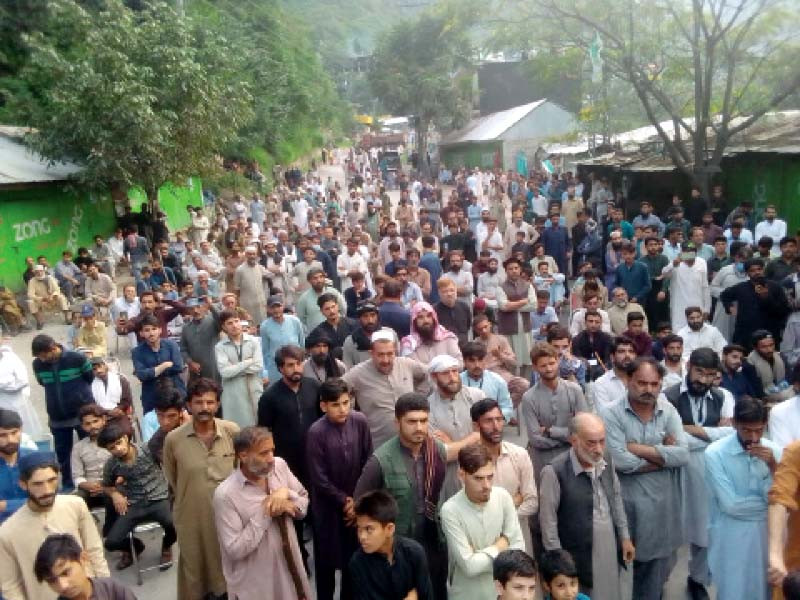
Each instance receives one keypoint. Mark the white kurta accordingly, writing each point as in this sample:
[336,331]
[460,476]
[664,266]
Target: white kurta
[15,391]
[688,287]
[725,278]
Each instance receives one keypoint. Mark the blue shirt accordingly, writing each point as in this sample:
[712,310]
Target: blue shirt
[538,320]
[10,491]
[412,292]
[431,263]
[274,335]
[145,361]
[494,387]
[395,316]
[635,279]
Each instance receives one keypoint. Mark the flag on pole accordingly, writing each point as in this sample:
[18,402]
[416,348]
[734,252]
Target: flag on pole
[594,56]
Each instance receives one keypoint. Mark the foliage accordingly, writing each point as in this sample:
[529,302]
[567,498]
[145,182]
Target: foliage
[147,97]
[424,68]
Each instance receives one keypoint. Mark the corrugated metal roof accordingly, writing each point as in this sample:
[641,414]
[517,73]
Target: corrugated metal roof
[19,164]
[490,127]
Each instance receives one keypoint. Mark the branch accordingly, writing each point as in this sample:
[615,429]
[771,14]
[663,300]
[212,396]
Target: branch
[677,152]
[787,91]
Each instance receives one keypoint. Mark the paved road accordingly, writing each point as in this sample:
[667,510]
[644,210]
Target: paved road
[161,586]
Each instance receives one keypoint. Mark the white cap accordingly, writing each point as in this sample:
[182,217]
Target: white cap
[384,334]
[443,362]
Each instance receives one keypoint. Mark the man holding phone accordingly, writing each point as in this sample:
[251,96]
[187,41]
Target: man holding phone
[688,278]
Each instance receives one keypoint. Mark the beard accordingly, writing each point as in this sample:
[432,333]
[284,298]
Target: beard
[44,500]
[9,449]
[452,387]
[697,388]
[674,357]
[455,268]
[492,270]
[295,377]
[370,327]
[319,358]
[426,331]
[695,325]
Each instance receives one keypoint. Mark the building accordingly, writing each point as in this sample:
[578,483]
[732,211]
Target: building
[501,139]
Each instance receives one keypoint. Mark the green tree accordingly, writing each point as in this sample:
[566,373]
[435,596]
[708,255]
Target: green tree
[147,98]
[423,68]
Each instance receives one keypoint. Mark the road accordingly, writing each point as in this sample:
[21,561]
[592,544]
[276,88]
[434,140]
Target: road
[161,585]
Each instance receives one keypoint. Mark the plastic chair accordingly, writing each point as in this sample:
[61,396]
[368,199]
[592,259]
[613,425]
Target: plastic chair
[144,528]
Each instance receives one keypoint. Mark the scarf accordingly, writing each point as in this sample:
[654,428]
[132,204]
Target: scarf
[413,340]
[107,394]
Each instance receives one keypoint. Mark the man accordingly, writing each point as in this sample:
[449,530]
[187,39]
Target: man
[308,308]
[784,417]
[411,467]
[771,226]
[593,345]
[240,365]
[45,511]
[738,471]
[248,281]
[706,417]
[428,338]
[621,307]
[350,263]
[769,367]
[411,291]
[66,377]
[490,240]
[646,218]
[556,242]
[356,347]
[253,511]
[673,362]
[418,275]
[543,317]
[783,266]
[156,360]
[688,277]
[450,404]
[391,312]
[338,445]
[150,305]
[356,294]
[199,335]
[547,408]
[12,496]
[391,237]
[336,327]
[516,298]
[278,330]
[103,255]
[460,276]
[197,457]
[489,281]
[648,447]
[739,377]
[472,549]
[697,333]
[92,334]
[69,276]
[378,383]
[44,293]
[530,235]
[111,390]
[431,263]
[756,304]
[513,469]
[612,385]
[88,460]
[476,375]
[784,556]
[453,313]
[288,407]
[321,363]
[632,275]
[99,288]
[580,493]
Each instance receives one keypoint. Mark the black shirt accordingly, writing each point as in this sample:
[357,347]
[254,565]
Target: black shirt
[289,416]
[353,298]
[456,318]
[375,579]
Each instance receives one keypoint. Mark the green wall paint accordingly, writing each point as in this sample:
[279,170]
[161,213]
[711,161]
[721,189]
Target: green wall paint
[472,155]
[173,201]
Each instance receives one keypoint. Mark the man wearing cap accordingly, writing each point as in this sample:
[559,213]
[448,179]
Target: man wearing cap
[706,417]
[516,298]
[198,336]
[43,292]
[321,363]
[378,382]
[357,345]
[450,404]
[43,513]
[92,333]
[308,309]
[428,339]
[12,496]
[277,330]
[688,285]
[248,281]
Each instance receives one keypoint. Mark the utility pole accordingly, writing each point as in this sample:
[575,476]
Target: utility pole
[181,9]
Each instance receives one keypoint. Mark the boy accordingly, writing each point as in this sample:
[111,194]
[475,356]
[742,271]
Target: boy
[170,413]
[559,576]
[642,342]
[62,563]
[337,446]
[514,576]
[386,566]
[88,459]
[138,489]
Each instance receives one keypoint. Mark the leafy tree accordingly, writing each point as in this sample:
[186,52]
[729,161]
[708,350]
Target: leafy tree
[147,98]
[709,66]
[423,67]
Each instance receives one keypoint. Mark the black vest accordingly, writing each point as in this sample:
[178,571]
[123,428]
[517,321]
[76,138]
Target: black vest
[575,512]
[681,401]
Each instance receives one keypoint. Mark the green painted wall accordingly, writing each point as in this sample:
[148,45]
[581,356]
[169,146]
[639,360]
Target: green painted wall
[765,179]
[48,219]
[472,155]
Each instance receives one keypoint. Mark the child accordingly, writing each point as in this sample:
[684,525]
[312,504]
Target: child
[642,342]
[73,329]
[138,489]
[559,576]
[62,563]
[386,566]
[551,282]
[514,575]
[337,446]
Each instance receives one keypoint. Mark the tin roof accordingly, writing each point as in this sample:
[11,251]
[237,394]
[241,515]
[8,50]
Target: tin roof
[19,164]
[490,127]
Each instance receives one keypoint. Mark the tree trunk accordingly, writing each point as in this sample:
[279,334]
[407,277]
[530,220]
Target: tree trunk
[152,200]
[422,146]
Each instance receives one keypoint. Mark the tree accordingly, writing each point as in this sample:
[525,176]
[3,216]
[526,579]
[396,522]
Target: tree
[423,67]
[705,65]
[147,98]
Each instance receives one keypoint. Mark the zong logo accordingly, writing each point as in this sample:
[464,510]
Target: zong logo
[31,229]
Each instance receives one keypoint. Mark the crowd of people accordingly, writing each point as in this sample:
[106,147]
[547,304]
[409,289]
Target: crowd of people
[326,365]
